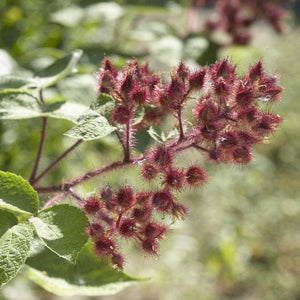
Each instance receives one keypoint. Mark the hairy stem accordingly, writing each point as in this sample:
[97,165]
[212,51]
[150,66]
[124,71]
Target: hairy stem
[181,133]
[40,149]
[34,181]
[127,141]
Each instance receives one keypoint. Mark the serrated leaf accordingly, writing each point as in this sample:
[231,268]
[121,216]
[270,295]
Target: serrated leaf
[62,229]
[90,275]
[103,105]
[17,195]
[14,249]
[65,110]
[158,135]
[94,128]
[8,220]
[15,82]
[59,69]
[19,104]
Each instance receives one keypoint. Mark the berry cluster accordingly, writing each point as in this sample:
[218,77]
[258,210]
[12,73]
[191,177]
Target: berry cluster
[236,16]
[227,122]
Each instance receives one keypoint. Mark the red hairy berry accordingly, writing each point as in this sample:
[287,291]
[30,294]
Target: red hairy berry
[139,96]
[127,228]
[91,205]
[244,97]
[179,211]
[117,260]
[195,176]
[182,71]
[104,246]
[223,69]
[256,72]
[206,112]
[142,215]
[143,197]
[273,93]
[267,123]
[241,155]
[127,84]
[197,79]
[150,246]
[174,179]
[149,171]
[228,140]
[154,230]
[95,229]
[125,197]
[162,200]
[121,114]
[162,157]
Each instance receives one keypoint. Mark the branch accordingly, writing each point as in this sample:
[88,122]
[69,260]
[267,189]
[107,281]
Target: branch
[40,149]
[62,156]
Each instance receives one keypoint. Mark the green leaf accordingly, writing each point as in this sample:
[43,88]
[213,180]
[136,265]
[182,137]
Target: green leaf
[158,135]
[15,82]
[18,104]
[14,249]
[65,110]
[59,69]
[139,115]
[92,129]
[8,220]
[17,195]
[90,275]
[103,105]
[62,229]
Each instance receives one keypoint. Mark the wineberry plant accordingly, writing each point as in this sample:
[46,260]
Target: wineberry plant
[73,248]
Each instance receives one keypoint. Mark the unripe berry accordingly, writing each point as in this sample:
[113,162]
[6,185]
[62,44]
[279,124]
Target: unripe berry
[154,230]
[162,200]
[150,246]
[104,246]
[162,157]
[242,155]
[117,260]
[195,176]
[121,114]
[127,228]
[174,179]
[125,197]
[149,171]
[91,205]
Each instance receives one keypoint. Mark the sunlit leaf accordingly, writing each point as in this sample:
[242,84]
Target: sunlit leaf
[17,195]
[8,220]
[14,249]
[62,229]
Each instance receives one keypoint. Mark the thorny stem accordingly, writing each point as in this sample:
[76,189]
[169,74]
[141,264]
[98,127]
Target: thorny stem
[75,196]
[40,149]
[65,187]
[181,133]
[54,200]
[120,140]
[62,156]
[127,141]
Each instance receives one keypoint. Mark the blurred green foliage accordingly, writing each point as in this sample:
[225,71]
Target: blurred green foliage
[240,240]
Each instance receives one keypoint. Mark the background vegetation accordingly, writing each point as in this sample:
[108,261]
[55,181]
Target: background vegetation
[240,238]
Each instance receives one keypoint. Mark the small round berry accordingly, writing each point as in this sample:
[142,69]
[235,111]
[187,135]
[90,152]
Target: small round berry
[91,205]
[150,246]
[241,155]
[142,215]
[227,140]
[149,171]
[104,246]
[174,179]
[162,157]
[121,114]
[195,176]
[162,200]
[95,229]
[117,260]
[127,228]
[125,197]
[154,230]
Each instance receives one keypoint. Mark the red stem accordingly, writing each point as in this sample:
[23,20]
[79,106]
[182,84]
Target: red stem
[62,156]
[40,149]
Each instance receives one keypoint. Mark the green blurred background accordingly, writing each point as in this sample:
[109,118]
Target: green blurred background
[241,237]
